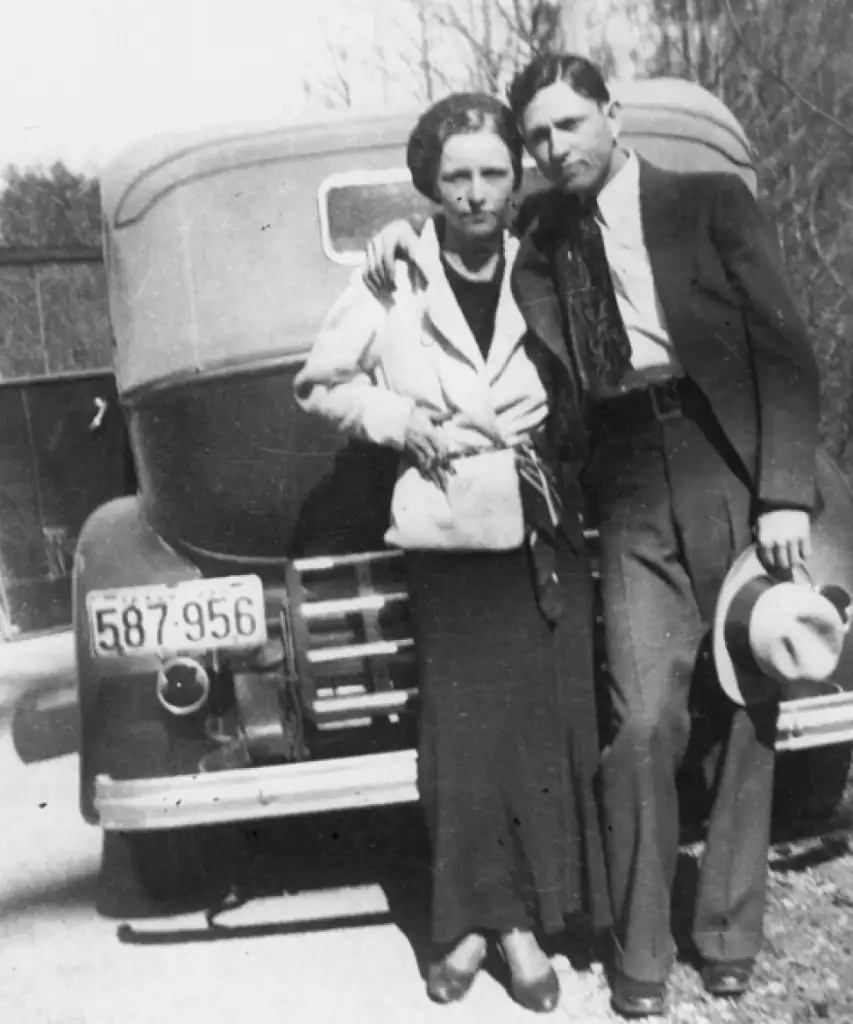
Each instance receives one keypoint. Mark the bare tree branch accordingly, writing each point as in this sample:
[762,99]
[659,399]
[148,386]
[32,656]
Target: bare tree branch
[516,20]
[817,245]
[782,80]
[488,62]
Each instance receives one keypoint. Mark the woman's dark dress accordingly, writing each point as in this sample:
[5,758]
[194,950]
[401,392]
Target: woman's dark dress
[508,742]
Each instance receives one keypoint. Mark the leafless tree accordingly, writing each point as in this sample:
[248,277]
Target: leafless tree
[333,85]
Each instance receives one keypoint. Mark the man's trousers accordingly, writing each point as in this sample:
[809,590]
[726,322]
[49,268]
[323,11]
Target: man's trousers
[673,508]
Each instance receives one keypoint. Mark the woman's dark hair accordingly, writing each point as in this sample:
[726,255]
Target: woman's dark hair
[458,114]
[546,69]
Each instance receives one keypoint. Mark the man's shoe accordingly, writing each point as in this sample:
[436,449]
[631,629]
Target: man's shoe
[727,978]
[632,998]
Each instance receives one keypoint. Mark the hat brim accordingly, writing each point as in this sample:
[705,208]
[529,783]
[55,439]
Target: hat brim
[746,567]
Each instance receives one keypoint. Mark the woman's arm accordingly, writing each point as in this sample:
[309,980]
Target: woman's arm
[340,378]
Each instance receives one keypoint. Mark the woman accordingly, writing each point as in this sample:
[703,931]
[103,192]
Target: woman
[442,371]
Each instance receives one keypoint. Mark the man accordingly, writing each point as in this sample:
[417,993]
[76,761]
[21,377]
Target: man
[701,395]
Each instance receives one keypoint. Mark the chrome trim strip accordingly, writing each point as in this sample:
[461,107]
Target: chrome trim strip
[374,703]
[815,722]
[368,650]
[322,563]
[246,794]
[349,605]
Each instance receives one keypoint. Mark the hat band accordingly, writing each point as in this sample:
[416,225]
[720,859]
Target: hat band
[737,636]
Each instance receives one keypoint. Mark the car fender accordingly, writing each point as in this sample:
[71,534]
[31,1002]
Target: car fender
[122,728]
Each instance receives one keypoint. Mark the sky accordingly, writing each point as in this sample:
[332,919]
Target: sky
[81,78]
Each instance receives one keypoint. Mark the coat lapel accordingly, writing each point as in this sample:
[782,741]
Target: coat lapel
[667,221]
[533,283]
[440,306]
[509,323]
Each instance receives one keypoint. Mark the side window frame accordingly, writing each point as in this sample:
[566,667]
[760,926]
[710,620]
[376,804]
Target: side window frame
[344,179]
[383,176]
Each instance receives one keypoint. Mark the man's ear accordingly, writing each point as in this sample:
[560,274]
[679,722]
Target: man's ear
[613,113]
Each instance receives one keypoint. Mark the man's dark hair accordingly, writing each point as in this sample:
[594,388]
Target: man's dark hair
[546,69]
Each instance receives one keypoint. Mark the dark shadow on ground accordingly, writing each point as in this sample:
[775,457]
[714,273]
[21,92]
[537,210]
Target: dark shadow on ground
[218,869]
[76,891]
[45,722]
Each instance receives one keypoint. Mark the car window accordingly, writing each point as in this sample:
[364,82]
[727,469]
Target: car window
[355,205]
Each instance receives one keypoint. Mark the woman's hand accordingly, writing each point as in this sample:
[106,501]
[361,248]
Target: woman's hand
[423,442]
[397,240]
[783,538]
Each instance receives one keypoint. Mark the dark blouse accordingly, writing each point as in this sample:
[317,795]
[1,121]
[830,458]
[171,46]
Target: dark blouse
[478,301]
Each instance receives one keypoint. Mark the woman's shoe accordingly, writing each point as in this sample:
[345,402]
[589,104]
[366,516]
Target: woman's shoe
[539,993]
[448,982]
[542,995]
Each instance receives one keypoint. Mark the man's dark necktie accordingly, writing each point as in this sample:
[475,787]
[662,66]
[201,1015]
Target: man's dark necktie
[593,301]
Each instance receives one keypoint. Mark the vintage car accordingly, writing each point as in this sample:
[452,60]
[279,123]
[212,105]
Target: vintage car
[243,639]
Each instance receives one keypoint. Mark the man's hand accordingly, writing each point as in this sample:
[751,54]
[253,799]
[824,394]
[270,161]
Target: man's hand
[783,538]
[423,442]
[396,241]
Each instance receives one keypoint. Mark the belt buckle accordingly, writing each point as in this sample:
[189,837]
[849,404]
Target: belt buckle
[666,401]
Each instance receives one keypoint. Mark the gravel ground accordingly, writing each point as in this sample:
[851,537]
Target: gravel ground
[805,972]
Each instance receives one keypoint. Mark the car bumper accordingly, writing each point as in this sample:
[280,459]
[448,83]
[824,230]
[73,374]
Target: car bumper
[815,722]
[372,780]
[308,787]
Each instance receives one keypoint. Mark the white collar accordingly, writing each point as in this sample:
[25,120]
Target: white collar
[427,253]
[621,191]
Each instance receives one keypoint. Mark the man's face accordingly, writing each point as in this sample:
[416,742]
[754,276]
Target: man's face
[571,138]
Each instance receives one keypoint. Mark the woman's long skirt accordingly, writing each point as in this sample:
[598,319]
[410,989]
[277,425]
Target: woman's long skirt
[508,744]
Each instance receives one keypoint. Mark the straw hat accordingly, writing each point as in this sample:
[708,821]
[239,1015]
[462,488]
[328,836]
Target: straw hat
[771,634]
[786,637]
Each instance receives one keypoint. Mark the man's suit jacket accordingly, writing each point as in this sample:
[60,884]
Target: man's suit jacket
[730,315]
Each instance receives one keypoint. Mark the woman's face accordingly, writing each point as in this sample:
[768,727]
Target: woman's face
[475,183]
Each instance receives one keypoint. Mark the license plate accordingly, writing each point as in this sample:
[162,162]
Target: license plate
[196,615]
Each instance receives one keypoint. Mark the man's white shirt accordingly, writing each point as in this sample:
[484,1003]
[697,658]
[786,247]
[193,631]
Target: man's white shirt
[653,356]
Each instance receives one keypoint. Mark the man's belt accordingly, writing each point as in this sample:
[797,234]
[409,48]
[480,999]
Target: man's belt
[662,401]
